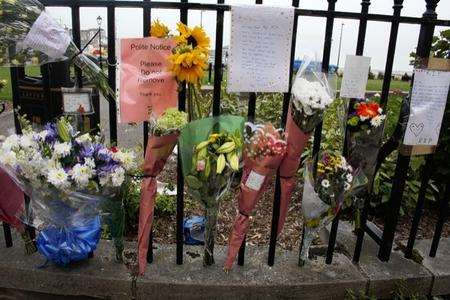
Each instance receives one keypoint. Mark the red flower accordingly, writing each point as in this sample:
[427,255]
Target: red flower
[368,110]
[114,149]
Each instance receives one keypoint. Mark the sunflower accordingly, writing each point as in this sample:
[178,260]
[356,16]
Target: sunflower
[195,37]
[159,30]
[188,64]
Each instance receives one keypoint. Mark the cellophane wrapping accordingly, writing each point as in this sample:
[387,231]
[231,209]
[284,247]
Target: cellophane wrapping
[312,92]
[208,190]
[30,36]
[264,150]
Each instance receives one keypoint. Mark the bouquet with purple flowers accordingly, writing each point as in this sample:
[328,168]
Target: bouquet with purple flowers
[68,176]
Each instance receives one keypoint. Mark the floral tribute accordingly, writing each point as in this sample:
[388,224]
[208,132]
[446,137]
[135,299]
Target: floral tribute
[264,150]
[161,143]
[324,193]
[29,35]
[211,150]
[312,93]
[188,62]
[365,124]
[67,176]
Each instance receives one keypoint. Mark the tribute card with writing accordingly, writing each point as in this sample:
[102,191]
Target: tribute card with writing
[145,83]
[260,48]
[356,73]
[428,99]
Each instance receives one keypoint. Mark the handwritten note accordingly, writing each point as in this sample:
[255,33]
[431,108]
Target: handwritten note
[146,86]
[260,49]
[356,73]
[428,100]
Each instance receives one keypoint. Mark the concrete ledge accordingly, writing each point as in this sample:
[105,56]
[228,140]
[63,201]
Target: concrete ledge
[386,277]
[439,265]
[102,277]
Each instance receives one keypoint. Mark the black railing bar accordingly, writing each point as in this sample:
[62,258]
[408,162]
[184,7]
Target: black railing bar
[362,29]
[218,71]
[443,215]
[286,101]
[147,21]
[225,7]
[426,174]
[180,178]
[7,234]
[111,16]
[377,239]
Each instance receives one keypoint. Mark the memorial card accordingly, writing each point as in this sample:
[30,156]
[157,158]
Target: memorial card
[428,99]
[260,49]
[356,73]
[146,86]
[77,101]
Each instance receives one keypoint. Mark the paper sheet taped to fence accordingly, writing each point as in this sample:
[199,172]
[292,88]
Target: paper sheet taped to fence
[145,83]
[260,49]
[428,99]
[356,73]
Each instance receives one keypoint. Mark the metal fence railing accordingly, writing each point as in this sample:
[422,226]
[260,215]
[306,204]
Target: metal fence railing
[427,25]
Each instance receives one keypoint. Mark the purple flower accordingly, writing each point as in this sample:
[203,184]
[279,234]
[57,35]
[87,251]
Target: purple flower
[108,167]
[52,133]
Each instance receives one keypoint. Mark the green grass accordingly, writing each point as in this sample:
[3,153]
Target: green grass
[372,84]
[377,84]
[6,93]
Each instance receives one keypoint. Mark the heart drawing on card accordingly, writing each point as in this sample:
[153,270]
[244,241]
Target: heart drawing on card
[416,128]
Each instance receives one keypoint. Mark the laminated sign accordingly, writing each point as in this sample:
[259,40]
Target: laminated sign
[146,85]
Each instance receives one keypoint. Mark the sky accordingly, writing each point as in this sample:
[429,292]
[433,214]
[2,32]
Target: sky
[310,33]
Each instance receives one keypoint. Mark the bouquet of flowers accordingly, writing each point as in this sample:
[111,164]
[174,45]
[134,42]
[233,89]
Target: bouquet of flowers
[67,177]
[188,62]
[29,35]
[365,125]
[324,194]
[264,150]
[210,154]
[159,147]
[312,92]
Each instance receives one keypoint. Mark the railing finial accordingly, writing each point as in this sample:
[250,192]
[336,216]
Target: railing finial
[431,9]
[398,5]
[365,3]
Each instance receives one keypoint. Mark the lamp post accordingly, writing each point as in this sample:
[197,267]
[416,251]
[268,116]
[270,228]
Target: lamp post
[339,51]
[99,22]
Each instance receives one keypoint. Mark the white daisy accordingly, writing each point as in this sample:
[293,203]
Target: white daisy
[62,149]
[58,177]
[325,183]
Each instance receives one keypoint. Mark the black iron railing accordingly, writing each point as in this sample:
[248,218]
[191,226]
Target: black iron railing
[427,22]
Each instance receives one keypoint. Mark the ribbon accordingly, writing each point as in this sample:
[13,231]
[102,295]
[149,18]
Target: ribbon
[158,150]
[63,245]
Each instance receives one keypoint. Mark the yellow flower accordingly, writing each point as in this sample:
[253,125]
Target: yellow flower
[159,30]
[188,64]
[195,37]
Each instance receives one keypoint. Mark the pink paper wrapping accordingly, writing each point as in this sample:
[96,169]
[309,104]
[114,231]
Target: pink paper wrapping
[296,143]
[145,82]
[247,200]
[11,201]
[158,150]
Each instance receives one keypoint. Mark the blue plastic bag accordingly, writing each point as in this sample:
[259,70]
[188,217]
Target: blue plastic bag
[194,230]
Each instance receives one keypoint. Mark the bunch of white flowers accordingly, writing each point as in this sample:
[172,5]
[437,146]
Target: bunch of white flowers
[310,96]
[126,158]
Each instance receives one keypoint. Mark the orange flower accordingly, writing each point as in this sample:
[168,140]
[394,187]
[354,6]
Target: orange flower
[368,110]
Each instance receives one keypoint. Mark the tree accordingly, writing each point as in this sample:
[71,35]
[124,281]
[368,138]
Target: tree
[439,48]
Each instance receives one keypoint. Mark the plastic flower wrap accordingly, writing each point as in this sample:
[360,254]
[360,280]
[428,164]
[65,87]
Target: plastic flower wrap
[159,147]
[312,92]
[67,177]
[324,195]
[188,62]
[365,124]
[264,150]
[211,151]
[29,35]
